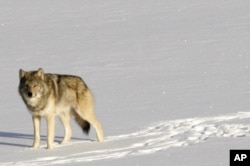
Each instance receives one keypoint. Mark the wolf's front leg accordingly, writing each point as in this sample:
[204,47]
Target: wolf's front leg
[36,124]
[50,131]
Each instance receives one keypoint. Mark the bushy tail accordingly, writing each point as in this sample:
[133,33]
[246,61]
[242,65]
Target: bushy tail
[85,125]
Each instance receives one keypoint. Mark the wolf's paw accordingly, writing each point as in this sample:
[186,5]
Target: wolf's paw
[65,140]
[50,146]
[100,139]
[35,146]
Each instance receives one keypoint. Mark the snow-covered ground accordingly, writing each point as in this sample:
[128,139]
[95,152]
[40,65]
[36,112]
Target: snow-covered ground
[171,79]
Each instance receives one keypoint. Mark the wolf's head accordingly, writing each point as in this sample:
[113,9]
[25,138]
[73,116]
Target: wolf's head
[31,84]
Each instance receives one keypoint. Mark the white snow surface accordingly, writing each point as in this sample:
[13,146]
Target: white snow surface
[171,79]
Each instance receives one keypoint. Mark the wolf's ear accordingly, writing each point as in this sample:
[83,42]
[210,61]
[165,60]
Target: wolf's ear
[22,73]
[40,73]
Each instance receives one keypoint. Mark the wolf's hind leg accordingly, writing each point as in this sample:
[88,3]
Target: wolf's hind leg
[98,127]
[88,115]
[85,109]
[66,121]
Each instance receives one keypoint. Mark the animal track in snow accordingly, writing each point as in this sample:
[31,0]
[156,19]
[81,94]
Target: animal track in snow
[157,137]
[183,132]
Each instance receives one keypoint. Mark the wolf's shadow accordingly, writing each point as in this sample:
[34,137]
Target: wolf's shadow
[21,136]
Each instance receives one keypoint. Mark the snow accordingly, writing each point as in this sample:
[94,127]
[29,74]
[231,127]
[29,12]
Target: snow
[170,78]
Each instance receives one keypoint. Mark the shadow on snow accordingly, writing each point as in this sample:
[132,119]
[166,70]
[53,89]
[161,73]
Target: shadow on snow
[16,139]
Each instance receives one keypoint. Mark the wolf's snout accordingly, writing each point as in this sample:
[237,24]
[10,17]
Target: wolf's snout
[30,94]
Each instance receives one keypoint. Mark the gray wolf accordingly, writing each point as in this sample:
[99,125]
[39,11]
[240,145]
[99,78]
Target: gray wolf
[47,95]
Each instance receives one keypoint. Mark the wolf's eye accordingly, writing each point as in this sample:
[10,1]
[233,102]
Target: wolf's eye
[26,86]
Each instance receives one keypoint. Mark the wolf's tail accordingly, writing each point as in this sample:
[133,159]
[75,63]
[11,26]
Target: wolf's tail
[85,125]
